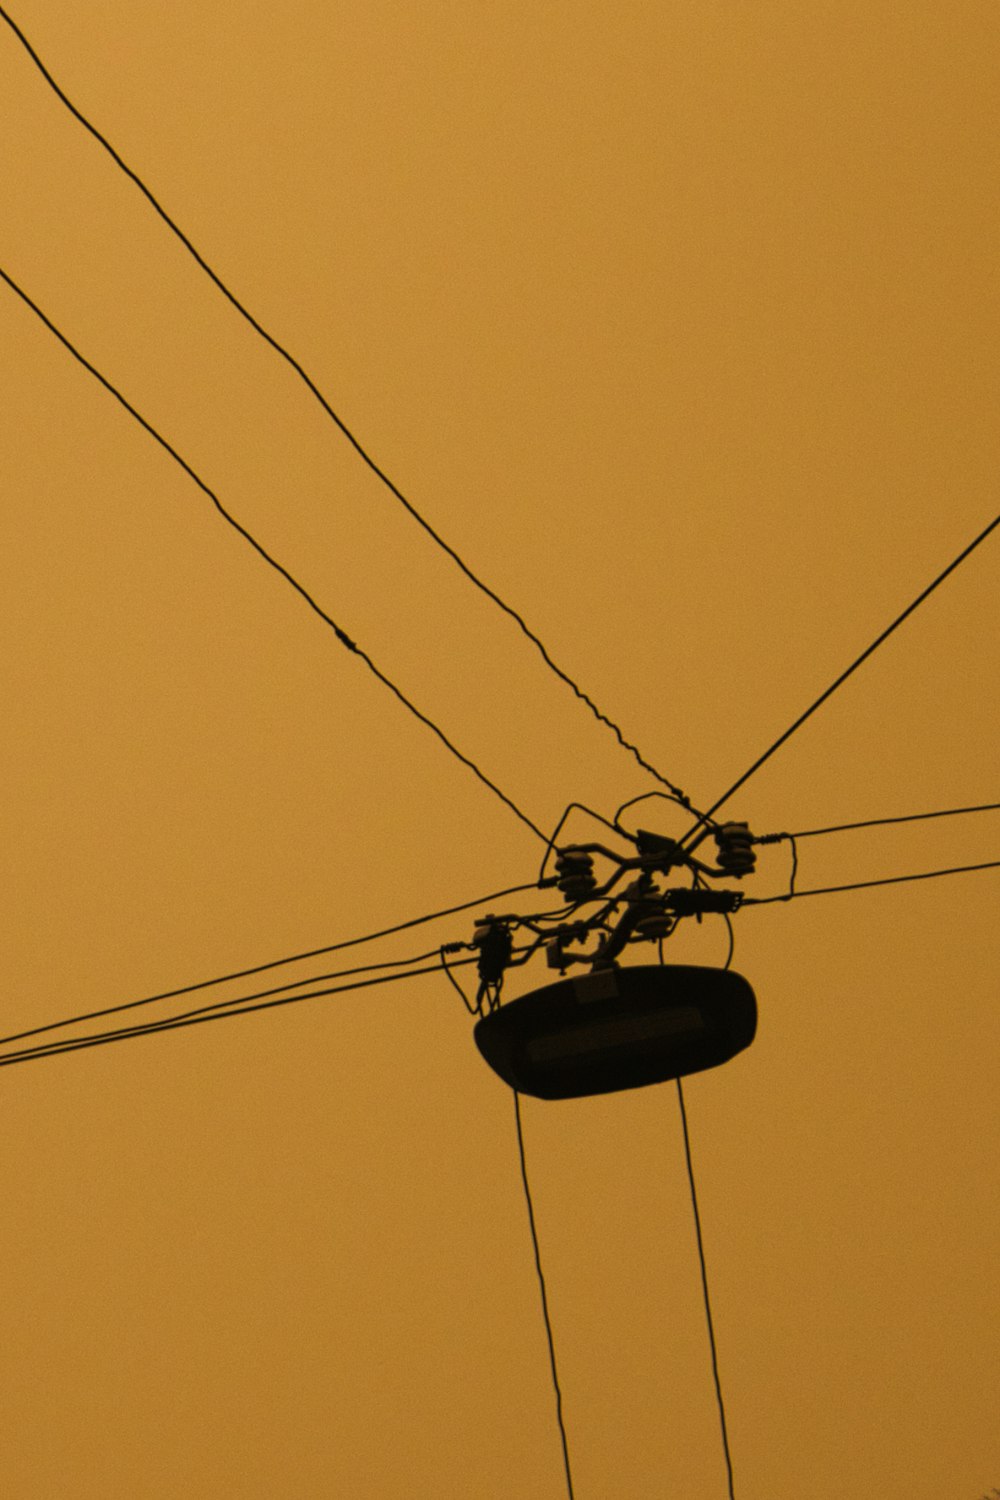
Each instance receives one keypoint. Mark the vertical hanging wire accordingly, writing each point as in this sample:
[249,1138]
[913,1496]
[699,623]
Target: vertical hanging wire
[545,1300]
[704,1288]
[701,1248]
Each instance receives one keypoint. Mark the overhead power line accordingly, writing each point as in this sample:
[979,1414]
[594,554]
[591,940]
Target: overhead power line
[341,635]
[311,385]
[278,989]
[274,963]
[862,885]
[925,594]
[199,1017]
[810,833]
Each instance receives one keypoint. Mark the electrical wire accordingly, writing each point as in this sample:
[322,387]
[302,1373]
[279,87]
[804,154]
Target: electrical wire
[474,1010]
[545,1300]
[341,425]
[198,1017]
[701,1248]
[238,1000]
[732,938]
[341,635]
[810,833]
[704,1289]
[705,819]
[862,885]
[274,963]
[761,759]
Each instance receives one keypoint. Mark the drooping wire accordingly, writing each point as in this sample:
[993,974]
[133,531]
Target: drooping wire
[811,833]
[868,651]
[474,1010]
[704,1288]
[545,1300]
[341,425]
[274,963]
[198,1017]
[861,885]
[341,635]
[704,819]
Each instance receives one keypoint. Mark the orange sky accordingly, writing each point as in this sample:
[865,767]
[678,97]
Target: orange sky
[680,324]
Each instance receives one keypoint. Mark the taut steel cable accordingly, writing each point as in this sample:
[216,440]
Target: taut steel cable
[311,385]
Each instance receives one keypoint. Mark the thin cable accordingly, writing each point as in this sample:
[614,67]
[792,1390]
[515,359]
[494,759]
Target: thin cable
[274,963]
[810,833]
[324,403]
[704,1288]
[732,940]
[545,1300]
[966,551]
[703,819]
[474,1010]
[341,635]
[239,1000]
[198,1017]
[862,885]
[231,1007]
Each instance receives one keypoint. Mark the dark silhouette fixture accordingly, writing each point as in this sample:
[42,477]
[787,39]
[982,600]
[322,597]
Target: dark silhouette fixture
[618,1028]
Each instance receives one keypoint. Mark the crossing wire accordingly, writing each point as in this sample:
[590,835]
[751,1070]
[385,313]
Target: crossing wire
[341,635]
[344,429]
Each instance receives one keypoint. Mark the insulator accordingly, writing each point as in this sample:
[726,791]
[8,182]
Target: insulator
[495,946]
[736,855]
[658,924]
[575,879]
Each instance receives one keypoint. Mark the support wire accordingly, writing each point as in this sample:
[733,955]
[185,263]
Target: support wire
[868,651]
[341,635]
[328,409]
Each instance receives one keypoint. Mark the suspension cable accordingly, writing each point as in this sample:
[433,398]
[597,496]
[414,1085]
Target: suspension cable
[341,635]
[341,425]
